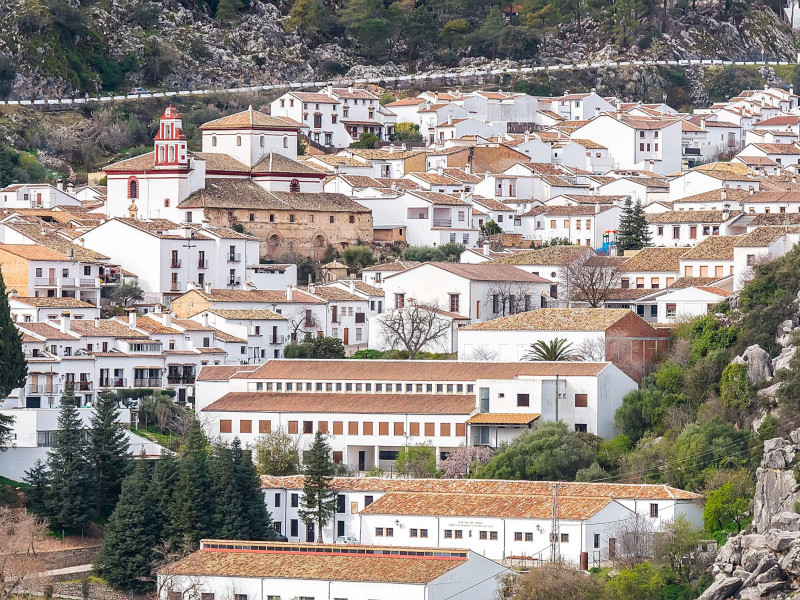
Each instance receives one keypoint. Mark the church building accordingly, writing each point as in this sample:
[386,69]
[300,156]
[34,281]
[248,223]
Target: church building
[246,175]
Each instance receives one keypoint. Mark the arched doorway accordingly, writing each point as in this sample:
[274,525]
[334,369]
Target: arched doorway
[320,244]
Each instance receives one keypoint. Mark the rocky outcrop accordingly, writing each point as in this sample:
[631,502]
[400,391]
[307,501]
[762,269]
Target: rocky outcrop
[759,365]
[764,561]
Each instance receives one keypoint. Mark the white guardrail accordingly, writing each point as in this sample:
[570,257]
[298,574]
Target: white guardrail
[421,77]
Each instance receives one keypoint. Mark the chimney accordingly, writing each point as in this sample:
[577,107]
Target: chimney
[83,242]
[724,194]
[440,169]
[450,119]
[596,111]
[794,178]
[486,248]
[167,319]
[289,292]
[403,146]
[726,212]
[752,190]
[97,322]
[60,184]
[468,168]
[352,286]
[527,136]
[596,208]
[70,188]
[207,287]
[391,148]
[65,318]
[350,89]
[205,318]
[311,288]
[132,318]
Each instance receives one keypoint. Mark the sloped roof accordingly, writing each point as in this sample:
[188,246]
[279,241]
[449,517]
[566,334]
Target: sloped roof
[557,256]
[248,119]
[654,260]
[555,319]
[715,247]
[488,272]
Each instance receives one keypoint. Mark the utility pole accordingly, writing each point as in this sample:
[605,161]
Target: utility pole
[557,397]
[555,548]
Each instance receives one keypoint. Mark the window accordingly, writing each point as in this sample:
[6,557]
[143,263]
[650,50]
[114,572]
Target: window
[308,426]
[379,532]
[294,186]
[390,532]
[294,527]
[676,232]
[581,400]
[672,309]
[400,301]
[264,426]
[581,427]
[209,596]
[459,533]
[517,536]
[654,511]
[277,500]
[448,534]
[133,189]
[523,399]
[245,426]
[368,500]
[654,283]
[225,425]
[413,533]
[423,533]
[493,536]
[444,429]
[238,140]
[293,427]
[528,536]
[565,538]
[596,542]
[454,302]
[294,500]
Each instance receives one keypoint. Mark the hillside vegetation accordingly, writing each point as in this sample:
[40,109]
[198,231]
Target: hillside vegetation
[62,47]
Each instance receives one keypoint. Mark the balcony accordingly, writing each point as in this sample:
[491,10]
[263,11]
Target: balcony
[113,382]
[179,379]
[234,257]
[175,286]
[276,340]
[202,264]
[442,222]
[42,389]
[147,383]
[234,281]
[88,283]
[54,281]
[83,386]
[175,263]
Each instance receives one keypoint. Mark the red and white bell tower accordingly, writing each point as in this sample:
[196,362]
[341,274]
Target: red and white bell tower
[170,143]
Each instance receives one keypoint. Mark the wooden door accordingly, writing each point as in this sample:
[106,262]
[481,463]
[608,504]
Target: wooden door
[346,336]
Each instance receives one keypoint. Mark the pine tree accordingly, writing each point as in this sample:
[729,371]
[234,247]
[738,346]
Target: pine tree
[165,480]
[319,499]
[633,232]
[228,523]
[36,477]
[257,520]
[126,557]
[192,512]
[13,368]
[70,498]
[109,450]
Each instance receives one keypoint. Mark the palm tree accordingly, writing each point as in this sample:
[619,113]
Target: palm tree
[555,350]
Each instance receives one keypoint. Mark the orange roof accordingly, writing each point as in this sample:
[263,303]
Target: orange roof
[317,561]
[504,418]
[33,252]
[248,119]
[496,487]
[555,319]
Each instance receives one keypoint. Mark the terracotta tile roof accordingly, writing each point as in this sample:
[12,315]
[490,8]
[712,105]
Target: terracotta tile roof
[317,565]
[592,199]
[54,302]
[556,256]
[159,228]
[435,178]
[506,506]
[763,237]
[689,126]
[314,97]
[105,328]
[400,184]
[137,163]
[685,282]
[589,144]
[47,331]
[363,287]
[258,296]
[725,167]
[417,370]
[227,337]
[406,102]
[33,252]
[378,154]
[781,120]
[243,193]
[792,149]
[278,163]
[716,196]
[336,160]
[190,325]
[715,247]
[461,175]
[491,204]
[222,372]
[555,319]
[691,216]
[569,211]
[714,290]
[338,403]
[760,219]
[397,265]
[655,260]
[439,199]
[354,93]
[496,487]
[254,315]
[488,272]
[758,161]
[154,326]
[503,418]
[335,293]
[247,119]
[360,181]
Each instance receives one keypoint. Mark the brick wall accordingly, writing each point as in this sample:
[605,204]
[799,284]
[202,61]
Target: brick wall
[634,346]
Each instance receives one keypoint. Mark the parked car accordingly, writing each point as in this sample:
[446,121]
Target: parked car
[345,539]
[138,90]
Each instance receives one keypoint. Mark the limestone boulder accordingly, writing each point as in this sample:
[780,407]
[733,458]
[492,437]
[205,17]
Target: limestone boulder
[759,365]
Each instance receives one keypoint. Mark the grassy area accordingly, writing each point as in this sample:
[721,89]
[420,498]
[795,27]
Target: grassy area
[152,433]
[15,484]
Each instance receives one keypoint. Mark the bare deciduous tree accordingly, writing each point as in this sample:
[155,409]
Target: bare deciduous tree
[634,537]
[590,279]
[302,323]
[20,533]
[169,579]
[483,353]
[414,327]
[511,298]
[592,349]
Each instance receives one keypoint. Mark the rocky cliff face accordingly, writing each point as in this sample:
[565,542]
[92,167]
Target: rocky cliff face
[764,561]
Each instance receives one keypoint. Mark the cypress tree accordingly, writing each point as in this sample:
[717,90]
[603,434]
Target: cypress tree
[228,523]
[126,557]
[192,512]
[109,450]
[13,368]
[257,520]
[319,498]
[165,480]
[70,498]
[36,477]
[633,232]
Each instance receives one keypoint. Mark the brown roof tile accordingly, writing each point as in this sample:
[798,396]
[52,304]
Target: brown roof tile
[248,119]
[254,314]
[555,319]
[222,372]
[654,260]
[488,272]
[691,216]
[716,247]
[763,237]
[557,256]
[54,302]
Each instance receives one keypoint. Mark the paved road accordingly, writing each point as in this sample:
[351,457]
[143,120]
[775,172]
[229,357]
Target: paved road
[77,569]
[419,77]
